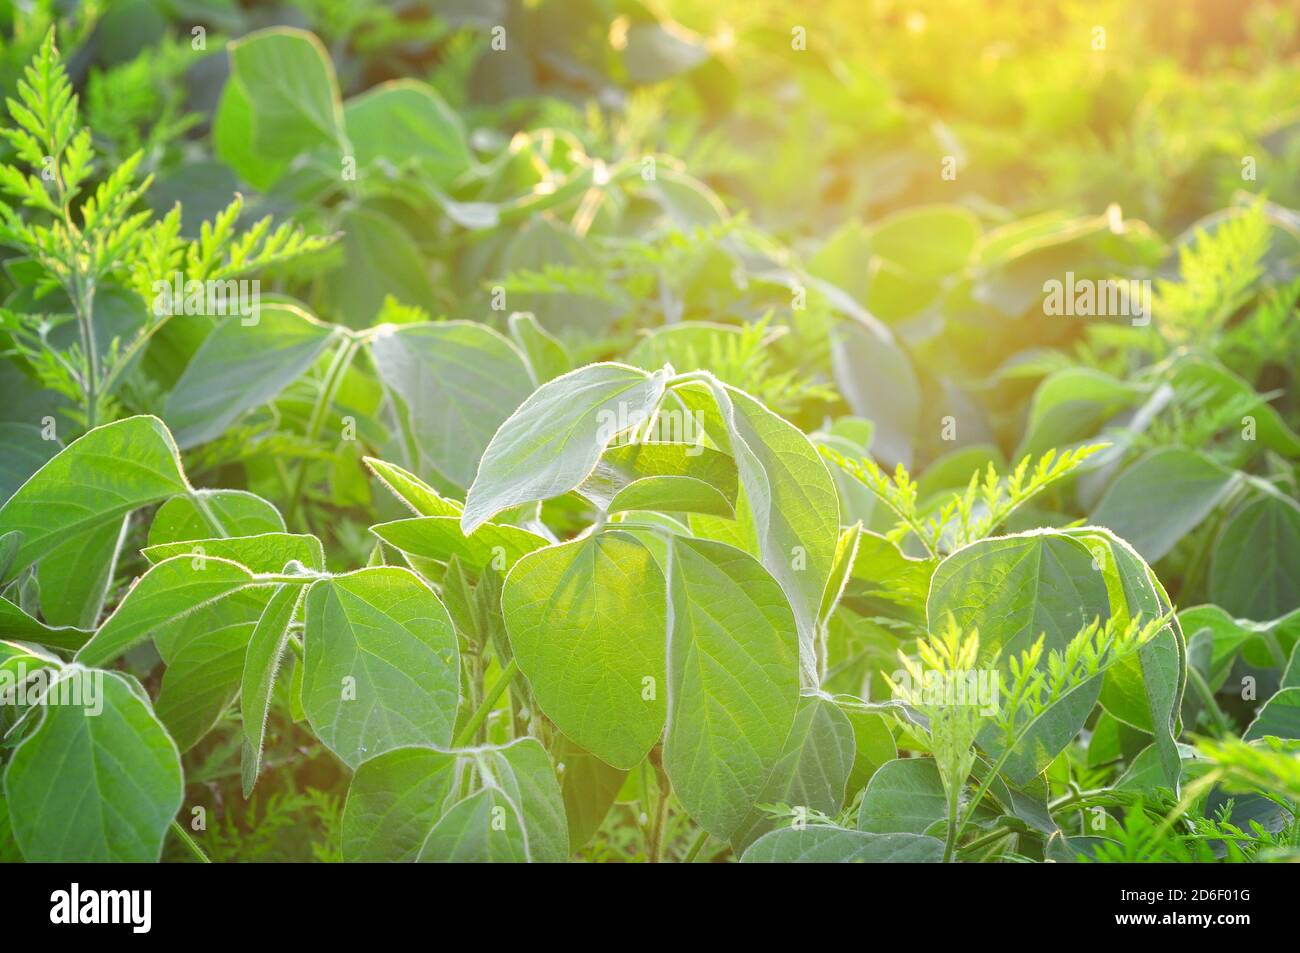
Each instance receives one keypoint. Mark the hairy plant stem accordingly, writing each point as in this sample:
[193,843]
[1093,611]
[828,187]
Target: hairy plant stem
[697,845]
[83,299]
[660,818]
[471,728]
[324,400]
[190,843]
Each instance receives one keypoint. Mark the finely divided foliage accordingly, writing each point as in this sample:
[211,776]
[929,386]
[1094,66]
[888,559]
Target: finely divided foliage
[690,545]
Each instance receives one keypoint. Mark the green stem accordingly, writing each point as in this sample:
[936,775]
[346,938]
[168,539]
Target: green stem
[1198,682]
[84,304]
[697,845]
[191,844]
[954,805]
[467,733]
[982,790]
[660,818]
[324,400]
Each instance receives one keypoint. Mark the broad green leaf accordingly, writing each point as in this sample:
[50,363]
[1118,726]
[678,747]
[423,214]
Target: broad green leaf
[733,680]
[522,769]
[1217,386]
[819,844]
[380,247]
[17,625]
[265,552]
[484,828]
[929,241]
[165,594]
[1015,588]
[440,538]
[1163,497]
[587,626]
[394,801]
[396,804]
[287,80]
[236,512]
[232,126]
[381,666]
[97,479]
[882,574]
[874,745]
[88,787]
[405,121]
[879,383]
[74,577]
[792,505]
[419,497]
[672,494]
[261,663]
[904,796]
[26,451]
[622,468]
[547,357]
[551,444]
[241,366]
[590,787]
[203,672]
[813,770]
[1145,690]
[1071,405]
[459,381]
[1280,717]
[1255,573]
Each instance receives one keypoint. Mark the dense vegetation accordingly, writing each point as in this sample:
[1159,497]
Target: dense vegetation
[618,431]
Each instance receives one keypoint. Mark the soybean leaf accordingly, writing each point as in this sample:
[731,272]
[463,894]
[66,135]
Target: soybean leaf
[813,770]
[381,665]
[484,828]
[874,745]
[1015,588]
[241,366]
[904,796]
[622,467]
[1256,569]
[419,497]
[733,680]
[1145,690]
[393,802]
[97,479]
[459,381]
[18,625]
[792,505]
[590,787]
[522,769]
[547,357]
[261,663]
[554,440]
[89,787]
[74,577]
[236,512]
[165,594]
[822,844]
[405,121]
[1163,497]
[287,81]
[265,552]
[1280,717]
[26,451]
[586,623]
[440,538]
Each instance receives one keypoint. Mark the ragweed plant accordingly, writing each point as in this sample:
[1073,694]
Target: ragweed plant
[967,515]
[81,241]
